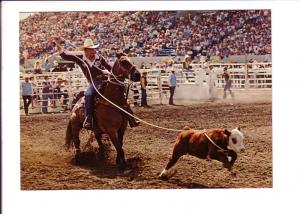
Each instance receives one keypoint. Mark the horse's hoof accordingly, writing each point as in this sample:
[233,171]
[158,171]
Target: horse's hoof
[101,156]
[167,176]
[122,167]
[127,172]
[163,177]
[77,154]
[228,166]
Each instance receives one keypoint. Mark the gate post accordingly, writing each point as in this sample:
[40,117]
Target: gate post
[246,76]
[159,88]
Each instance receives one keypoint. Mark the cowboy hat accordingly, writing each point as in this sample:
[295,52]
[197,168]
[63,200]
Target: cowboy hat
[88,43]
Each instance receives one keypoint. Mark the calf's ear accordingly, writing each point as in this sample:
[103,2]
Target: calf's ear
[238,128]
[228,133]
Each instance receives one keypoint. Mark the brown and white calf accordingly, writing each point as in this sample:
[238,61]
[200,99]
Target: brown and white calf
[219,145]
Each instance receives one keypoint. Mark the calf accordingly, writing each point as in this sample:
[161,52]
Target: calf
[217,144]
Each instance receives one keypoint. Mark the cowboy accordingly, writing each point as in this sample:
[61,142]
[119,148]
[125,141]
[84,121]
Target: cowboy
[227,86]
[88,60]
[92,65]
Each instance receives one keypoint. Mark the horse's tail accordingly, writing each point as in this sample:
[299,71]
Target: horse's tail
[68,139]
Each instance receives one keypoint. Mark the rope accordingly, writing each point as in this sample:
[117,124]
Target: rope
[111,73]
[118,107]
[223,150]
[143,121]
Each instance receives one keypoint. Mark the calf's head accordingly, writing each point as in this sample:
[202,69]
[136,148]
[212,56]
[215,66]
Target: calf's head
[236,140]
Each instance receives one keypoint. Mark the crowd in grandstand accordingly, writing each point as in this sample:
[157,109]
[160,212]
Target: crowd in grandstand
[150,33]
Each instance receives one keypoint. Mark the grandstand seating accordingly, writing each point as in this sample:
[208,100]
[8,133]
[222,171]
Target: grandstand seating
[150,33]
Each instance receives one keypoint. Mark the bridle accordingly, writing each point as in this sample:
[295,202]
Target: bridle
[118,107]
[119,79]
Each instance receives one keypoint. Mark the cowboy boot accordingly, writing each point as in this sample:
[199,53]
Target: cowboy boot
[132,121]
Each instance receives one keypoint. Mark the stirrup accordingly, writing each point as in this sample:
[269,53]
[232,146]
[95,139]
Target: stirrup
[133,122]
[88,124]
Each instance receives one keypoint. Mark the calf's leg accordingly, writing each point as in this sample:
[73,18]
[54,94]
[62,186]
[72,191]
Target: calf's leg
[223,157]
[178,151]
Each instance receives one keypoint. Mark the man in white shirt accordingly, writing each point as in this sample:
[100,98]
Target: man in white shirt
[172,85]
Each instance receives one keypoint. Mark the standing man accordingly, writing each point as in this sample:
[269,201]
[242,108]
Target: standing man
[211,82]
[46,94]
[27,92]
[172,85]
[143,89]
[227,86]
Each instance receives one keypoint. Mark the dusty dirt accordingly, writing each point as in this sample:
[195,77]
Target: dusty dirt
[46,165]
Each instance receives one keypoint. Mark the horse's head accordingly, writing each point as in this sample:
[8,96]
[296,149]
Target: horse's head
[124,68]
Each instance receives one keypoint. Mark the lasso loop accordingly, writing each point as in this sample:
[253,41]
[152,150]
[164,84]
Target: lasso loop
[137,118]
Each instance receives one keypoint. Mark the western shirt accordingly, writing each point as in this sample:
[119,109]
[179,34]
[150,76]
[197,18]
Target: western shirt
[95,67]
[172,80]
[26,89]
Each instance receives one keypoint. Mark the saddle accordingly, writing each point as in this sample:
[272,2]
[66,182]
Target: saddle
[99,100]
[101,89]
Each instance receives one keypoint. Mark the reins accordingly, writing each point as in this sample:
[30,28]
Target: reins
[121,109]
[101,95]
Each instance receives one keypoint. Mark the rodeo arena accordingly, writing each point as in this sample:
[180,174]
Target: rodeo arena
[195,87]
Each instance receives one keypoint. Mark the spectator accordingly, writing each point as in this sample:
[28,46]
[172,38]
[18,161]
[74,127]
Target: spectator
[45,94]
[58,93]
[47,66]
[151,33]
[26,93]
[144,90]
[34,92]
[37,68]
[172,85]
[56,67]
[54,90]
[186,62]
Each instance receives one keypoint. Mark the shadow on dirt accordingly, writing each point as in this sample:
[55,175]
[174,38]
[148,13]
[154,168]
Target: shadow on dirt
[106,167]
[190,185]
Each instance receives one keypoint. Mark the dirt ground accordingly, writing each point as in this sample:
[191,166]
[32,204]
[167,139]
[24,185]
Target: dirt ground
[46,165]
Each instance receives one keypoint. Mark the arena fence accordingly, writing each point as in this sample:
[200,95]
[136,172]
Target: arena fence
[195,83]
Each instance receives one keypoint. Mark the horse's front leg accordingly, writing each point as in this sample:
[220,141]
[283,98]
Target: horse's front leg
[76,140]
[98,136]
[120,160]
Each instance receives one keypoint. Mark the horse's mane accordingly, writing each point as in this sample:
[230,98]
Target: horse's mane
[116,66]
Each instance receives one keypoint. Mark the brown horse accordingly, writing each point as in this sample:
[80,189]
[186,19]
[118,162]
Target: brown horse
[108,118]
